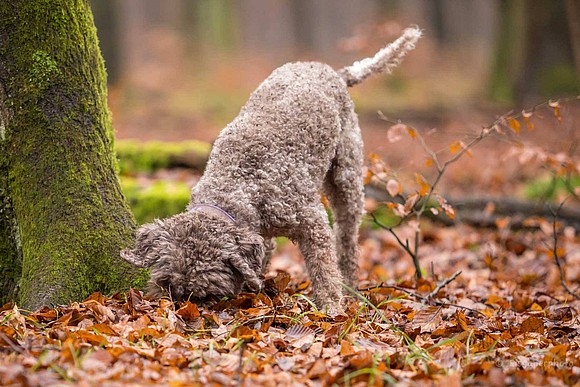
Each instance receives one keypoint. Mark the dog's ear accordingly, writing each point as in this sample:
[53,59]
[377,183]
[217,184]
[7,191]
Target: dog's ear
[250,258]
[146,251]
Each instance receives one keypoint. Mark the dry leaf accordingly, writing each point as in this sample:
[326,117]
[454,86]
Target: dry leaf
[394,188]
[424,187]
[395,133]
[514,125]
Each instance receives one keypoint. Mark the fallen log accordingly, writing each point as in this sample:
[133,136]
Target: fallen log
[486,211]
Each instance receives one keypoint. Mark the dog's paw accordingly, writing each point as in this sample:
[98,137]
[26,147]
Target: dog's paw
[254,285]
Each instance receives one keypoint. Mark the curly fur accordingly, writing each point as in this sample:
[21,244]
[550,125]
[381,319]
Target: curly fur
[296,137]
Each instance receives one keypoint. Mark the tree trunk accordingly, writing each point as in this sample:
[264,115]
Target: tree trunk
[68,215]
[508,62]
[10,253]
[573,13]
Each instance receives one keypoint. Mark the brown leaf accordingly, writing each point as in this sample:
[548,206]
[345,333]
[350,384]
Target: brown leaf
[286,363]
[424,187]
[394,188]
[104,329]
[90,337]
[174,357]
[521,301]
[303,285]
[526,116]
[70,318]
[281,281]
[461,320]
[317,370]
[533,324]
[456,146]
[135,302]
[514,124]
[98,361]
[97,297]
[410,202]
[245,333]
[188,311]
[44,314]
[363,359]
[428,319]
[298,335]
[101,312]
[395,132]
[346,348]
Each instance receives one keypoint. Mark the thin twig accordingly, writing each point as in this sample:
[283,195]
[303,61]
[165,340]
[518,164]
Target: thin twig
[443,284]
[426,299]
[8,341]
[555,252]
[240,374]
[404,245]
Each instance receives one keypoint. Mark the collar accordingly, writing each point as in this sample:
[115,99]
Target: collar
[213,210]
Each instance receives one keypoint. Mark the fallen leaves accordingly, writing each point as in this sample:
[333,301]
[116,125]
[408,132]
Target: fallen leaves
[489,325]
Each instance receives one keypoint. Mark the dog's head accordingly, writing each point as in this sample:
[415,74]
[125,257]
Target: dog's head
[195,256]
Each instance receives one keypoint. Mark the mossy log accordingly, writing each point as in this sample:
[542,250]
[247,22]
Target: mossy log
[138,156]
[58,161]
[160,199]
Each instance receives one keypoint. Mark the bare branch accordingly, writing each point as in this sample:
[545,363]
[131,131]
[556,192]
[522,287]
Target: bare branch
[443,284]
[556,255]
[426,299]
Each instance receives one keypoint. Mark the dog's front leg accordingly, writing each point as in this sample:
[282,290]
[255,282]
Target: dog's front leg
[316,242]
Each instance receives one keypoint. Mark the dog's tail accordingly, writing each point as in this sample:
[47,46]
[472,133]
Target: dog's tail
[384,61]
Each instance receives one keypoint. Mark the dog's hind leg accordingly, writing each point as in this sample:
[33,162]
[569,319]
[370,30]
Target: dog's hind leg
[344,189]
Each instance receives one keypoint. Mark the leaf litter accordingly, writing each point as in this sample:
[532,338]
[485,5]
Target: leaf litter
[503,320]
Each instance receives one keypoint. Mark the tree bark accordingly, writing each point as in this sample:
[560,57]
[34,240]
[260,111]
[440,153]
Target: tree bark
[68,216]
[10,252]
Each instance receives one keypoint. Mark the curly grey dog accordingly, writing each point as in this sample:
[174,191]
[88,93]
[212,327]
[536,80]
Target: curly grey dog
[296,137]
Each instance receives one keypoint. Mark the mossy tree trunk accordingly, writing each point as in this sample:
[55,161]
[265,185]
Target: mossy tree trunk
[61,206]
[10,253]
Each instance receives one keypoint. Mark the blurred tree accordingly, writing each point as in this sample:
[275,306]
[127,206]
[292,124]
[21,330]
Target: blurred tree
[573,11]
[509,53]
[534,54]
[106,14]
[63,218]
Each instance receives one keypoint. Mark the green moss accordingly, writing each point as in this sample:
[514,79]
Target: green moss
[550,187]
[558,80]
[135,156]
[162,199]
[43,70]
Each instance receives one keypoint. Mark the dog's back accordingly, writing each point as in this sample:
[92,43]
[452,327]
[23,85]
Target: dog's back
[287,130]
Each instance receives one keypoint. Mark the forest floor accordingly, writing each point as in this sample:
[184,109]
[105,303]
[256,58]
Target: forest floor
[491,311]
[505,319]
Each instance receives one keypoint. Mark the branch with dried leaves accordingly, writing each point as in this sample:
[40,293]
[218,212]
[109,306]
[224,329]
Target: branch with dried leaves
[421,201]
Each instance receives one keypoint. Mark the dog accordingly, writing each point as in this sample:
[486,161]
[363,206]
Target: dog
[295,138]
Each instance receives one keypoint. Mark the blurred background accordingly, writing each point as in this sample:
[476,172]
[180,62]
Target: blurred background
[180,70]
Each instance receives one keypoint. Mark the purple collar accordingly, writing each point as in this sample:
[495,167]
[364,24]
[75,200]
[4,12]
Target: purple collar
[212,210]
